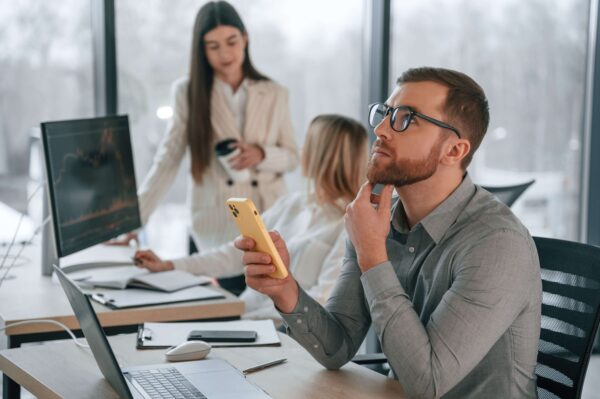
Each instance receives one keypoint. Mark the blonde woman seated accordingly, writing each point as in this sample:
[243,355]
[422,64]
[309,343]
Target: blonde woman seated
[334,160]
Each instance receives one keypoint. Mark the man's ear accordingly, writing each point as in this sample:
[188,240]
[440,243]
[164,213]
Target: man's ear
[454,150]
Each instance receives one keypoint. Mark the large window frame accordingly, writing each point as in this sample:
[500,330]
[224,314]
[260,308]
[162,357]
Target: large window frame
[590,223]
[374,88]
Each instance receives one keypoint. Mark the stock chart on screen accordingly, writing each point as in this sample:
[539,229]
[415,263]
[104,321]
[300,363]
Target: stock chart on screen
[91,181]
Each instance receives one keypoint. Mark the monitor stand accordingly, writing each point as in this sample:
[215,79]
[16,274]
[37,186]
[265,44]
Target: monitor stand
[49,253]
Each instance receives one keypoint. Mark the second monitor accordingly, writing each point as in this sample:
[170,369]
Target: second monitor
[91,181]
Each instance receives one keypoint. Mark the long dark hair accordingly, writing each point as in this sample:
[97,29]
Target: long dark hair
[200,133]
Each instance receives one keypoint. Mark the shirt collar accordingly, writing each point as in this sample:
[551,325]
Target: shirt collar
[438,221]
[225,88]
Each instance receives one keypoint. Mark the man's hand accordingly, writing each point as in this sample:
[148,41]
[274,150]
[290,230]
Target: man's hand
[283,292]
[149,260]
[368,227]
[250,155]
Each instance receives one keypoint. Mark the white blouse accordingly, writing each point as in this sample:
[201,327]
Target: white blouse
[315,238]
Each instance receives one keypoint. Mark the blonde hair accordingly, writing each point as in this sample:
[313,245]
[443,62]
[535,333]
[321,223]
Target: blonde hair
[335,157]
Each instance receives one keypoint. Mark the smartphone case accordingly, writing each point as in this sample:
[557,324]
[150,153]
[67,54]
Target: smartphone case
[250,224]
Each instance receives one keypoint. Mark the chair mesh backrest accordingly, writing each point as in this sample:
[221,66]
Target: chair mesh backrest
[570,315]
[508,194]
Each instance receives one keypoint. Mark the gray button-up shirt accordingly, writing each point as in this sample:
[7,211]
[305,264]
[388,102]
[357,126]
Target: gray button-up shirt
[457,307]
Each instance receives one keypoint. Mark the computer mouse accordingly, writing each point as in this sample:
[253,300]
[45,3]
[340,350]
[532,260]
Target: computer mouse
[188,350]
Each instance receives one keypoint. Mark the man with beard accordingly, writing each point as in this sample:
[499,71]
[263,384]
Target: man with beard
[447,275]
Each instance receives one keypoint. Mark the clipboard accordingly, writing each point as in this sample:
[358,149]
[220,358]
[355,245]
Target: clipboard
[165,335]
[136,297]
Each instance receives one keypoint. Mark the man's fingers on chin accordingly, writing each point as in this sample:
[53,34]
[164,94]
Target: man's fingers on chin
[375,199]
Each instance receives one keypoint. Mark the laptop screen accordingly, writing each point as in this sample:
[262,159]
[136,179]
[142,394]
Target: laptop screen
[94,334]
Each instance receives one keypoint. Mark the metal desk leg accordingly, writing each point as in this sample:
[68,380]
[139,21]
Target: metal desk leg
[10,389]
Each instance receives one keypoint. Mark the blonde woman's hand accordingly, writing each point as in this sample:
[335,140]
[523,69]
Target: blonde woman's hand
[147,259]
[250,156]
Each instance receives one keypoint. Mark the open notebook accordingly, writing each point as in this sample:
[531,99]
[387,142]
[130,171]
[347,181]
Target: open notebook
[121,277]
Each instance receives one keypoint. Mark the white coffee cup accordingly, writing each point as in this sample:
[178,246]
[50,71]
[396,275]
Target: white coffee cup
[225,151]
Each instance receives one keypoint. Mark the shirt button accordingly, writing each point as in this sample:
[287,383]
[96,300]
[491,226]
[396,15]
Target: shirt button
[305,309]
[315,346]
[411,249]
[299,321]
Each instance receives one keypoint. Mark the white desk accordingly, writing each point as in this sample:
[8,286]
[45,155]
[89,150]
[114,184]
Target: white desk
[300,377]
[32,296]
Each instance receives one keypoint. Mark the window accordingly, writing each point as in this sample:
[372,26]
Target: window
[530,58]
[298,44]
[46,64]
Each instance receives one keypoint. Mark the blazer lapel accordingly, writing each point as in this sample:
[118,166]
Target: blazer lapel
[254,112]
[222,117]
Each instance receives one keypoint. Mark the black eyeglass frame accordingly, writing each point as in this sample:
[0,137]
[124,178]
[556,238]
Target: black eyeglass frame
[411,114]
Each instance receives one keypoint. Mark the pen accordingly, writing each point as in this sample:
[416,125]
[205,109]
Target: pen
[264,366]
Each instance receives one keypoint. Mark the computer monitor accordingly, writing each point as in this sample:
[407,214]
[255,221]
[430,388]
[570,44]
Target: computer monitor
[90,180]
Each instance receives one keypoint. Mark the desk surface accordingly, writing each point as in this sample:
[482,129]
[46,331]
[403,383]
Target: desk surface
[301,377]
[29,295]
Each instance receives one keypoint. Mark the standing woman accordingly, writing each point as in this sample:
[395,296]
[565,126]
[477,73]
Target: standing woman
[224,97]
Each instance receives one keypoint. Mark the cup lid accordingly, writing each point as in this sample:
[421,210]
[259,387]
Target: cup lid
[223,147]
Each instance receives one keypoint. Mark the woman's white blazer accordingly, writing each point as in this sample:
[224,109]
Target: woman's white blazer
[267,123]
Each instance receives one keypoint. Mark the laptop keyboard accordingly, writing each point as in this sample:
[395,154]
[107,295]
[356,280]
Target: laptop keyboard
[165,383]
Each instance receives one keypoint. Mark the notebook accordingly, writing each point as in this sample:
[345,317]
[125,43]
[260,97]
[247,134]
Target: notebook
[121,277]
[135,297]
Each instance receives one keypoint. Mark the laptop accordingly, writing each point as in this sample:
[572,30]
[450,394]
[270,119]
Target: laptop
[208,378]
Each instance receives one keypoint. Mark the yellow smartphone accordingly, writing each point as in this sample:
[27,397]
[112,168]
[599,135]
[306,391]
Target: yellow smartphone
[250,224]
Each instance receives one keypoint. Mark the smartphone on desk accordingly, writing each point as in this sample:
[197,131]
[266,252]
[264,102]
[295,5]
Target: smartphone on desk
[222,336]
[250,224]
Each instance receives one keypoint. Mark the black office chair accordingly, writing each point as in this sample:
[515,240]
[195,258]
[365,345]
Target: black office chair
[570,317]
[509,194]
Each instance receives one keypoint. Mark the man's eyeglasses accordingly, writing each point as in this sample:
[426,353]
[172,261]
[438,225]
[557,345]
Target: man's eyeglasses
[401,117]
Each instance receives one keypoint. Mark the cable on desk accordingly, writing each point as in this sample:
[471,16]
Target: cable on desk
[18,255]
[67,329]
[12,242]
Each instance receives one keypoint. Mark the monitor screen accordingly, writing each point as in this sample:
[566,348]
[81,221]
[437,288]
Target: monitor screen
[91,181]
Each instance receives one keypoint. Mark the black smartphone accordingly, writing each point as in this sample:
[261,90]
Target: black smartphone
[222,336]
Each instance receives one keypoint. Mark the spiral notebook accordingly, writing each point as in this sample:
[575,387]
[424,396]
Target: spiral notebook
[121,277]
[135,297]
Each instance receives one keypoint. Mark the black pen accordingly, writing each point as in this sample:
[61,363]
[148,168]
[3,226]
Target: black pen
[264,366]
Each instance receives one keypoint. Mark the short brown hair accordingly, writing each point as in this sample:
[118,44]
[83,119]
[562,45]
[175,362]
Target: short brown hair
[335,157]
[466,106]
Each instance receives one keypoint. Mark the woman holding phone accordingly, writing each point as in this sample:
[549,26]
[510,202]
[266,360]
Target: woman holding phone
[334,162]
[223,98]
